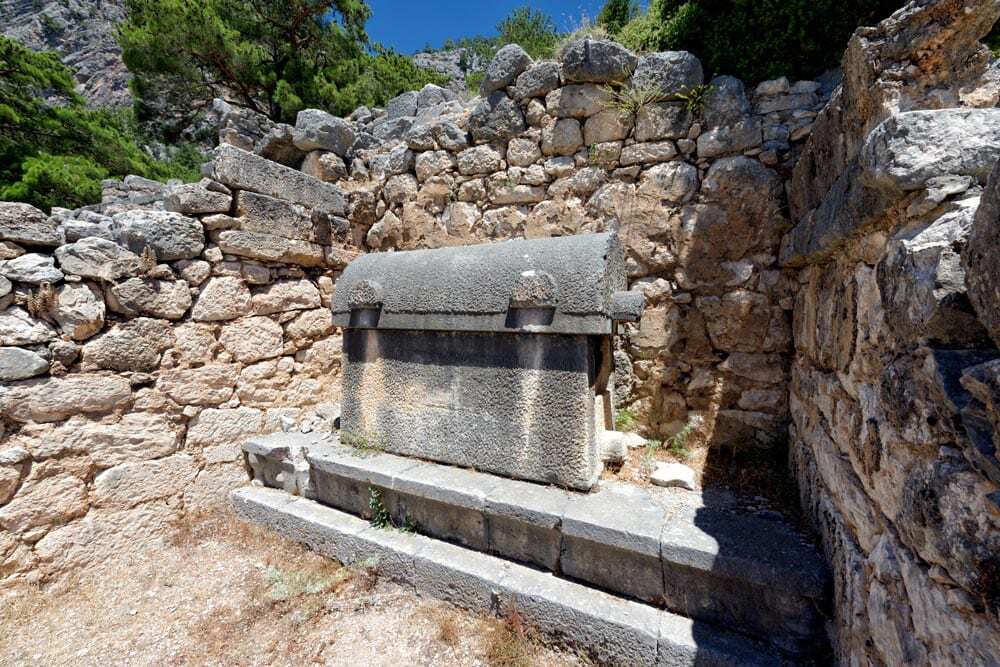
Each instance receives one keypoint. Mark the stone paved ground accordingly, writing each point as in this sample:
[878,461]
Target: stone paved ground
[224,594]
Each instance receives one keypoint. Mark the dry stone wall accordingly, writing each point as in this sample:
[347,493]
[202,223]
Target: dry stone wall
[894,383]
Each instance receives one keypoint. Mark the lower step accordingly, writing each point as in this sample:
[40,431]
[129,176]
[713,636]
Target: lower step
[612,630]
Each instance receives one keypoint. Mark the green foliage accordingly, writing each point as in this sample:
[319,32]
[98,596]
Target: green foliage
[381,518]
[694,97]
[532,29]
[631,99]
[755,39]
[616,13]
[54,151]
[624,420]
[585,28]
[274,57]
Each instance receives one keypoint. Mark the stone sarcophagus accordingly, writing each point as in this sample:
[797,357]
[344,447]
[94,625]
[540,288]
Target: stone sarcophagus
[496,357]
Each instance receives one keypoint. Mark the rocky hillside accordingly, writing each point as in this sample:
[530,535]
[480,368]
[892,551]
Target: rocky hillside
[83,32]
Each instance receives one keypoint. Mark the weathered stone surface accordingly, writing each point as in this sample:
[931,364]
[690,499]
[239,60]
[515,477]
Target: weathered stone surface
[170,235]
[252,339]
[563,137]
[431,95]
[597,61]
[55,399]
[32,268]
[399,160]
[279,145]
[135,345]
[657,151]
[97,258]
[523,152]
[662,120]
[980,259]
[496,118]
[208,385]
[675,182]
[729,139]
[79,310]
[577,101]
[726,103]
[669,72]
[432,163]
[138,436]
[504,69]
[270,248]
[923,284]
[910,148]
[17,363]
[196,198]
[319,130]
[325,165]
[23,223]
[310,325]
[241,170]
[217,427]
[166,299]
[44,504]
[537,81]
[284,296]
[674,474]
[404,104]
[479,160]
[276,217]
[17,327]
[607,125]
[130,484]
[222,298]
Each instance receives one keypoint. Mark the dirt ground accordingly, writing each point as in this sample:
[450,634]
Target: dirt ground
[222,593]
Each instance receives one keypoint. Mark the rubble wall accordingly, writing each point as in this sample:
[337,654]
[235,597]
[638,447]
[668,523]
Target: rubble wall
[894,384]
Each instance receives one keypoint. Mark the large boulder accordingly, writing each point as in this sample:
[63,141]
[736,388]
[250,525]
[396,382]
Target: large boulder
[506,66]
[267,215]
[496,118]
[404,104]
[431,95]
[319,130]
[668,72]
[279,146]
[597,61]
[23,223]
[981,258]
[191,198]
[726,103]
[537,81]
[171,236]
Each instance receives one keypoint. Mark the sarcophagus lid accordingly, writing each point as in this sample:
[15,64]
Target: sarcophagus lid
[564,285]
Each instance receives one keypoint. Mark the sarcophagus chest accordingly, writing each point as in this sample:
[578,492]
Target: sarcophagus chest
[495,357]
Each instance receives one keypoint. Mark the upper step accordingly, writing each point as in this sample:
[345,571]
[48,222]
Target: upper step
[613,630]
[693,553]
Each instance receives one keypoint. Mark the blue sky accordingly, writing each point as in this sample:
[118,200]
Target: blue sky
[408,25]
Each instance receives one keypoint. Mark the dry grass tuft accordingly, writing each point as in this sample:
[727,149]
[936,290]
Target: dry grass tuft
[510,642]
[448,632]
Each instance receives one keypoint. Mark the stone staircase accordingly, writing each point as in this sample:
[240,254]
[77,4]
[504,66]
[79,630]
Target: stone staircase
[634,576]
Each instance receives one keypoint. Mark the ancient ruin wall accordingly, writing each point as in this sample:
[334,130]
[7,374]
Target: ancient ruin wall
[894,385]
[164,339]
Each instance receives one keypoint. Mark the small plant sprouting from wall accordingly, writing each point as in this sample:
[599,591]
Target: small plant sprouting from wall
[624,420]
[147,260]
[381,518]
[678,444]
[362,444]
[694,98]
[631,99]
[41,302]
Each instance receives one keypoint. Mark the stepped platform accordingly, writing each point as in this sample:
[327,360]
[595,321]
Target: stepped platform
[688,568]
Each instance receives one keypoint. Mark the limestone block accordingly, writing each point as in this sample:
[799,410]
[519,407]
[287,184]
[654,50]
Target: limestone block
[505,67]
[276,217]
[479,160]
[220,426]
[208,385]
[17,363]
[196,198]
[563,137]
[131,484]
[675,182]
[79,310]
[32,268]
[980,261]
[55,399]
[319,130]
[164,299]
[597,61]
[134,345]
[577,101]
[171,236]
[658,151]
[496,118]
[325,165]
[537,81]
[98,258]
[44,504]
[662,120]
[607,125]
[284,296]
[23,223]
[270,248]
[222,298]
[668,72]
[17,327]
[523,152]
[252,339]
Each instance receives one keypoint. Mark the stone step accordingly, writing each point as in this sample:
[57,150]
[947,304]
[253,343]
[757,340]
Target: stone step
[614,631]
[692,553]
